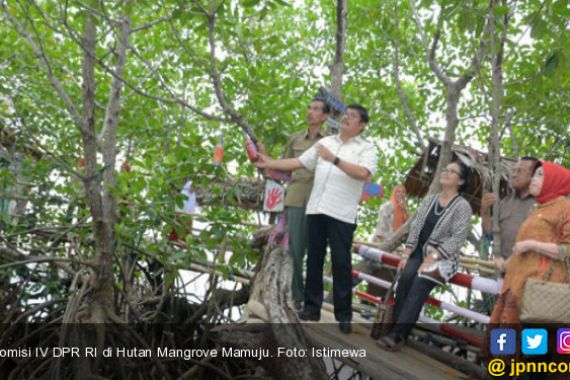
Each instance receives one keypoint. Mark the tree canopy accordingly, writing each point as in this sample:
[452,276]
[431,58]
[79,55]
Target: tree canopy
[92,87]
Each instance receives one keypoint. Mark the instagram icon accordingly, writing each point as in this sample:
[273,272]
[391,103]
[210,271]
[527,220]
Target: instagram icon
[563,341]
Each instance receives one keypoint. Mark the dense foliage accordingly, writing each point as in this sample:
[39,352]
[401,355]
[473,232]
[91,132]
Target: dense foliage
[271,57]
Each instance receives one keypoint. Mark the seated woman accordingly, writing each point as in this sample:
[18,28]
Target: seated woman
[392,215]
[542,240]
[438,232]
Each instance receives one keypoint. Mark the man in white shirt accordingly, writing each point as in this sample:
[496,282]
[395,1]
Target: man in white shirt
[342,163]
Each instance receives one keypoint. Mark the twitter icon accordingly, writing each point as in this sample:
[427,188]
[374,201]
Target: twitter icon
[534,341]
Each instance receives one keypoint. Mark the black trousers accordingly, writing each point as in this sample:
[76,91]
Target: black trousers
[323,229]
[411,293]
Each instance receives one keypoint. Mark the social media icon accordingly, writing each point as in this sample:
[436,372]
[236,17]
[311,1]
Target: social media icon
[534,341]
[504,341]
[563,341]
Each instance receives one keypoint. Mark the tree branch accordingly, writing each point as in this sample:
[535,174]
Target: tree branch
[19,259]
[430,52]
[73,35]
[109,132]
[403,98]
[337,67]
[38,51]
[235,116]
[433,63]
[509,127]
[475,63]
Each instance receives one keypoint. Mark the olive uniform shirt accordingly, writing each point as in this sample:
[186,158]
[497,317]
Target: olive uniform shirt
[299,188]
[513,211]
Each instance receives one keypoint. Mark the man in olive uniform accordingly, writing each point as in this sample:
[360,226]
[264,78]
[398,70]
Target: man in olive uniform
[298,192]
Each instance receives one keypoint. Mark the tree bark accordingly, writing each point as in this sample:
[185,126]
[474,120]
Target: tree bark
[98,186]
[452,121]
[109,150]
[270,301]
[337,67]
[494,139]
[276,279]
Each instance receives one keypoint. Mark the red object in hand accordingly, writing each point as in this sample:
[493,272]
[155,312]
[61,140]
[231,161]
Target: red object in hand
[273,198]
[251,149]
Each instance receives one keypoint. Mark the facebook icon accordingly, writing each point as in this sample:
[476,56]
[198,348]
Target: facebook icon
[503,341]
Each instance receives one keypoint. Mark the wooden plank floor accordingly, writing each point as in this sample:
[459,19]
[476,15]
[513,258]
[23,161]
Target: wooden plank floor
[407,364]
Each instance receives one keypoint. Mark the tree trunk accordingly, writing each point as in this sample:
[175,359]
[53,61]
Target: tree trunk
[276,280]
[445,156]
[270,301]
[106,280]
[337,67]
[104,245]
[494,139]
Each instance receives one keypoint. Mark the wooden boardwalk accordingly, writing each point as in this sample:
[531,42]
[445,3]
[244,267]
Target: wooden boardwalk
[407,364]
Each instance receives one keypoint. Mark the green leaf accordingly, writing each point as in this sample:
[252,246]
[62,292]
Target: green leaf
[129,7]
[250,3]
[539,29]
[465,21]
[282,2]
[562,8]
[551,64]
[501,10]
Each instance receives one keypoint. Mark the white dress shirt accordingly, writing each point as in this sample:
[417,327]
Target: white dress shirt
[335,193]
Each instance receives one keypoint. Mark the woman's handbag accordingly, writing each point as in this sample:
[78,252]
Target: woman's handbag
[434,271]
[544,301]
[386,313]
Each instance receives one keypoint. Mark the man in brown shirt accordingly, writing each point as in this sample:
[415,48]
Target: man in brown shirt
[513,209]
[298,192]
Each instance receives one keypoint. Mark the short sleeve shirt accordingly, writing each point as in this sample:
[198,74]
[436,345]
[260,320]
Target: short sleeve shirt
[513,211]
[334,193]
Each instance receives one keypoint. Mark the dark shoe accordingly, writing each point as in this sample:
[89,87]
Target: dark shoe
[306,316]
[390,344]
[345,327]
[298,305]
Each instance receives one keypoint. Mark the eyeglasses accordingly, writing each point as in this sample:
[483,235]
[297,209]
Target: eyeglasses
[352,115]
[451,171]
